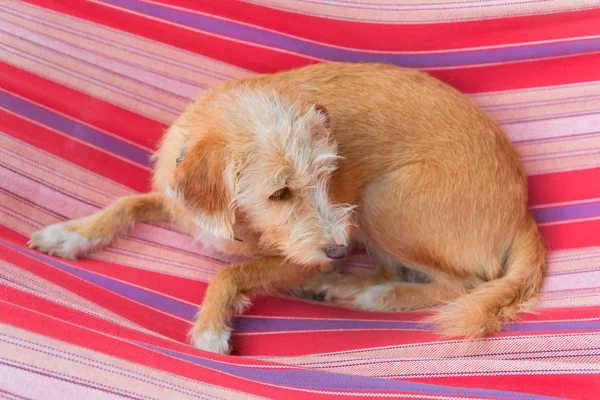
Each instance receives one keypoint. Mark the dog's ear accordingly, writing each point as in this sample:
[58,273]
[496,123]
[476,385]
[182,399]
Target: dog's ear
[321,109]
[323,130]
[203,181]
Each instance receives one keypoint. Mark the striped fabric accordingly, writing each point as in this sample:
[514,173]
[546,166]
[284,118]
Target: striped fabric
[88,87]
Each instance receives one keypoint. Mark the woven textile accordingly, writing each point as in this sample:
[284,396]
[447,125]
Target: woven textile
[88,87]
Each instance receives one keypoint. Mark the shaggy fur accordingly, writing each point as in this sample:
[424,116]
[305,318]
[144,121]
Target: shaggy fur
[298,165]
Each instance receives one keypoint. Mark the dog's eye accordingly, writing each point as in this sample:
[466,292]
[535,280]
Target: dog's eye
[281,194]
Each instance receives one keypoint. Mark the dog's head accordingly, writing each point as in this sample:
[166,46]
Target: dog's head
[269,158]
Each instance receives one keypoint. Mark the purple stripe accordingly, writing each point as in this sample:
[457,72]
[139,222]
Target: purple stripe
[530,355]
[565,213]
[75,129]
[145,297]
[251,34]
[289,324]
[322,380]
[283,324]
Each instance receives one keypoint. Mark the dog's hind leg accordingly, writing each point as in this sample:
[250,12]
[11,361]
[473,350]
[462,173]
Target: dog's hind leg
[75,238]
[334,284]
[403,296]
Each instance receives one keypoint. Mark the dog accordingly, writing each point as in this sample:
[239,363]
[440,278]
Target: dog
[294,167]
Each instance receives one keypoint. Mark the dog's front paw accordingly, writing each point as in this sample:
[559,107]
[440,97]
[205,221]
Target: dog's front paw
[215,342]
[56,240]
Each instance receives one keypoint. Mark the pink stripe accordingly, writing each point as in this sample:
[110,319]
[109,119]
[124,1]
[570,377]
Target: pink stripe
[559,155]
[47,385]
[420,6]
[62,168]
[535,94]
[132,43]
[492,348]
[542,116]
[162,82]
[27,282]
[26,165]
[72,206]
[580,280]
[123,375]
[579,254]
[33,210]
[375,15]
[536,104]
[57,63]
[569,126]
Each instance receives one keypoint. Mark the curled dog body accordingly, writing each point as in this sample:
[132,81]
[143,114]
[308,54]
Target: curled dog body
[294,167]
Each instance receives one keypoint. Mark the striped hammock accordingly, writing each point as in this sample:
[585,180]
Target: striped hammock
[88,87]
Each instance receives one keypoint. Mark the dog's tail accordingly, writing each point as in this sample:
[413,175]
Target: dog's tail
[482,311]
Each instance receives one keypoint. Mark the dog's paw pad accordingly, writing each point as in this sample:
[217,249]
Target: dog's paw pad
[215,342]
[57,241]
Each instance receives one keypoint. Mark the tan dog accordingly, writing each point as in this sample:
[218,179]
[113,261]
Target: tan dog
[298,165]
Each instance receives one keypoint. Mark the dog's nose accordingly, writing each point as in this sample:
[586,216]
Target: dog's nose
[336,251]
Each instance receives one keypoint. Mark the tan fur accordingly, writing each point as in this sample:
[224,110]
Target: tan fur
[425,179]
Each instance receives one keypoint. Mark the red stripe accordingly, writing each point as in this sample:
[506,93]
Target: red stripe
[333,341]
[76,152]
[528,74]
[279,307]
[566,186]
[566,386]
[242,54]
[405,37]
[95,112]
[572,235]
[302,343]
[289,308]
[138,313]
